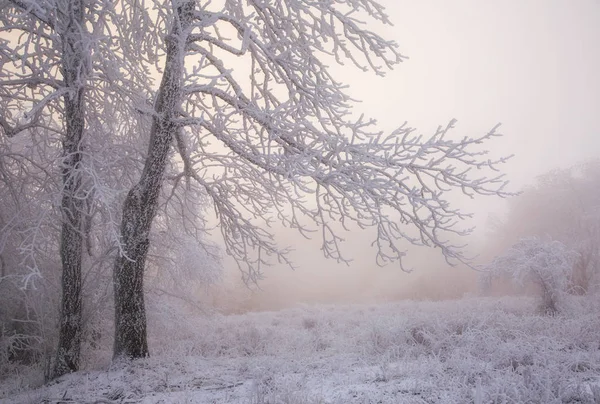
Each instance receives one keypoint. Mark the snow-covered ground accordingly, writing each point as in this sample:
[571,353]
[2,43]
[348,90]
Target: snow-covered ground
[475,350]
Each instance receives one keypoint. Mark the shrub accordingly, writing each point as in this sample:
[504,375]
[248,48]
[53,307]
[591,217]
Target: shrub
[545,263]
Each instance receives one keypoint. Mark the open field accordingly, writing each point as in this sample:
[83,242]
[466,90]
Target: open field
[474,350]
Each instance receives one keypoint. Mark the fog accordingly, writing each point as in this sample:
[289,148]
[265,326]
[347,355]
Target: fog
[531,65]
[105,295]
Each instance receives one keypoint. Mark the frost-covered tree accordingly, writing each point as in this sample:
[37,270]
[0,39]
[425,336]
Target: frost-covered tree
[262,126]
[59,78]
[542,262]
[28,305]
[565,205]
[31,87]
[73,80]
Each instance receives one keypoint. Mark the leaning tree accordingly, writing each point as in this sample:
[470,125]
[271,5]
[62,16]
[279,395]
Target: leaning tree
[261,125]
[73,80]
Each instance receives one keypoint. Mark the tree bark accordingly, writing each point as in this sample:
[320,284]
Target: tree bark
[70,19]
[139,208]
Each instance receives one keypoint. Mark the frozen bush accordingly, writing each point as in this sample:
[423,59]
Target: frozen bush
[545,263]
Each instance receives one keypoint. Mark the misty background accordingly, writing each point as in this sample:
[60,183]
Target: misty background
[531,65]
[89,314]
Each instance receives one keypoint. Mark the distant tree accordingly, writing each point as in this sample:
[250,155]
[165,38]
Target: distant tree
[563,204]
[544,263]
[263,128]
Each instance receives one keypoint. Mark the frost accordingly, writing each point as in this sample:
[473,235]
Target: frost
[477,350]
[246,116]
[545,263]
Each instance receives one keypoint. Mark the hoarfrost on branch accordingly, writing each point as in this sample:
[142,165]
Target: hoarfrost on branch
[290,146]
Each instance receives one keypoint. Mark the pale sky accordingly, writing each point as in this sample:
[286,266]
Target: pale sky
[533,65]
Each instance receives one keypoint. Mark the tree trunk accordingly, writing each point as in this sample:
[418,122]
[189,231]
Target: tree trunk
[70,28]
[548,300]
[141,202]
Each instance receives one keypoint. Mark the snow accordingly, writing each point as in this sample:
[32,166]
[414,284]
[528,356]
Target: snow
[476,350]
